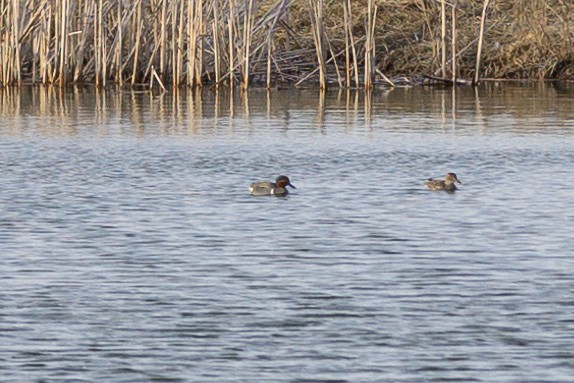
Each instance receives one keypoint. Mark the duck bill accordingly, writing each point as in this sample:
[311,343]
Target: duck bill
[290,184]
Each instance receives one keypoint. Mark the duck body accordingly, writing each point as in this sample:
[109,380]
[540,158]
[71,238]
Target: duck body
[277,188]
[448,184]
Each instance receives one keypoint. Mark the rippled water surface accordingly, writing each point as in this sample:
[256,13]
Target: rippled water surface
[131,250]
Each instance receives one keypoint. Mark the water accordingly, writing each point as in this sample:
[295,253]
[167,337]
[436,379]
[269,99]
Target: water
[131,250]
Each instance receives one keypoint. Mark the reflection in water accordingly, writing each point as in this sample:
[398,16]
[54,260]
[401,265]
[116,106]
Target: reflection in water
[185,111]
[453,107]
[320,118]
[368,107]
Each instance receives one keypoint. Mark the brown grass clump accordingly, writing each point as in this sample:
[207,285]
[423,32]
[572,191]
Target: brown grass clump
[524,39]
[535,39]
[226,42]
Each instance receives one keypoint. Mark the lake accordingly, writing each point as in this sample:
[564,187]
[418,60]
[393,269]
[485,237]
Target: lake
[131,250]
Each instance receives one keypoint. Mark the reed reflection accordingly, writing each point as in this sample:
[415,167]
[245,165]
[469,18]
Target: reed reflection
[58,111]
[368,106]
[321,105]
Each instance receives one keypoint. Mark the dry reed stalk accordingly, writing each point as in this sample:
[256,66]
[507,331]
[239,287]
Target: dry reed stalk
[374,44]
[385,78]
[119,44]
[99,45]
[368,72]
[231,40]
[4,45]
[191,43]
[216,45]
[156,76]
[17,74]
[168,34]
[104,42]
[30,31]
[194,28]
[56,39]
[97,51]
[269,55]
[479,48]
[9,34]
[153,27]
[199,25]
[443,38]
[163,37]
[50,38]
[150,55]
[179,58]
[268,77]
[172,46]
[279,71]
[31,23]
[138,27]
[85,27]
[300,80]
[130,39]
[353,47]
[63,54]
[277,16]
[74,37]
[348,69]
[349,46]
[453,41]
[370,45]
[247,35]
[339,78]
[45,46]
[316,9]
[35,48]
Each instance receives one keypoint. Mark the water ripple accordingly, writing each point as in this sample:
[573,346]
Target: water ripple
[142,257]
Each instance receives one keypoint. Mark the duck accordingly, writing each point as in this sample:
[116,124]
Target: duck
[277,188]
[447,184]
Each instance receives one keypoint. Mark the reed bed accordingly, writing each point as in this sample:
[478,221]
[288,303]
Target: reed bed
[227,42]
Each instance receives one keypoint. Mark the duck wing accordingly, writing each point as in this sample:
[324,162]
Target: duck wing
[261,188]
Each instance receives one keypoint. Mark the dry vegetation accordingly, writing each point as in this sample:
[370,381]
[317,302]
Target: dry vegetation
[238,42]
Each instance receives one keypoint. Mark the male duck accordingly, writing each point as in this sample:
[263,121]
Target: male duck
[278,188]
[446,184]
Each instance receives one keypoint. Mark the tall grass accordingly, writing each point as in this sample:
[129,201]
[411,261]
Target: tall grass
[229,42]
[480,41]
[370,45]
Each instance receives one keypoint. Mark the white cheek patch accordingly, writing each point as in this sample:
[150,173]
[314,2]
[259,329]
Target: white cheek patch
[272,191]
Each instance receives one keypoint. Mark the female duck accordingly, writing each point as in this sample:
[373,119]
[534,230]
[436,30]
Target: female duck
[278,188]
[446,184]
